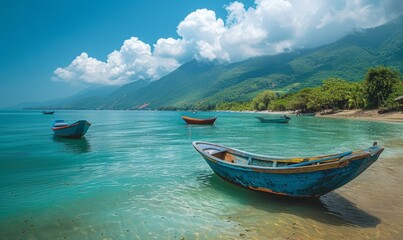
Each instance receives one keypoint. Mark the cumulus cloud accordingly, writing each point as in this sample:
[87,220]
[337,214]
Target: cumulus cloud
[269,27]
[132,62]
[202,30]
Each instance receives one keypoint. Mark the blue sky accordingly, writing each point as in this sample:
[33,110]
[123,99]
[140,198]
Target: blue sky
[55,48]
[37,36]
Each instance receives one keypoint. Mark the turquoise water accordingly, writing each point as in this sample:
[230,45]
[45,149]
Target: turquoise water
[135,175]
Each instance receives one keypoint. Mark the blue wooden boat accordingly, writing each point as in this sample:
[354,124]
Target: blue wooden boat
[274,120]
[75,130]
[295,177]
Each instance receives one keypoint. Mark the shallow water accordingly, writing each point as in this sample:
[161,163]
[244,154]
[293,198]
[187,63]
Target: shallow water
[135,175]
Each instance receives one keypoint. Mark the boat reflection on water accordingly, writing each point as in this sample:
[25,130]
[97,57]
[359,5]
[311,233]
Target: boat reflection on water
[80,145]
[207,129]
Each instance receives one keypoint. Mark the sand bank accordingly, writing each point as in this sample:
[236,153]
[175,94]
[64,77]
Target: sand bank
[370,115]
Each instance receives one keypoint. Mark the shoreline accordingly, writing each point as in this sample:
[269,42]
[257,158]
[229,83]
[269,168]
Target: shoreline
[368,115]
[357,114]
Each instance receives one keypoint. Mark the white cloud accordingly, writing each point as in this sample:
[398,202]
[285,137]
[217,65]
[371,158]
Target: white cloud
[269,27]
[202,30]
[132,62]
[173,48]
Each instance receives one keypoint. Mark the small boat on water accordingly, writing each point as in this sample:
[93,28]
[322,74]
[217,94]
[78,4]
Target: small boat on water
[295,177]
[75,130]
[300,112]
[190,120]
[48,112]
[284,119]
[312,114]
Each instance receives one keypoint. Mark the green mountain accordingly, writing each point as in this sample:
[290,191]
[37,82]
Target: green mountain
[202,85]
[184,86]
[93,98]
[75,100]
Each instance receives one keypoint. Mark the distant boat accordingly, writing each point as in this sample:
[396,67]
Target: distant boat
[308,114]
[285,119]
[75,130]
[300,112]
[48,112]
[191,120]
[295,177]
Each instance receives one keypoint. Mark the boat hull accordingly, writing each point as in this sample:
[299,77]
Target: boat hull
[74,130]
[190,120]
[308,114]
[308,181]
[279,120]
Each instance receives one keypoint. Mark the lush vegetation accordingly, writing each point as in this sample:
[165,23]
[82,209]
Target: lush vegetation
[379,84]
[378,90]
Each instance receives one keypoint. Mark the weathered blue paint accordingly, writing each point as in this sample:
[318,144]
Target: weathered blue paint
[75,130]
[311,180]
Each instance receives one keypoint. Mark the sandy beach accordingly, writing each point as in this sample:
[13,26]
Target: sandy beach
[370,115]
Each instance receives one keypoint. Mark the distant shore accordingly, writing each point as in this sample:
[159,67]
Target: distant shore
[370,115]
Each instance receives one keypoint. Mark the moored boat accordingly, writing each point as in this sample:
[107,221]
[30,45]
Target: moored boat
[191,120]
[313,114]
[295,177]
[48,112]
[310,114]
[274,120]
[75,130]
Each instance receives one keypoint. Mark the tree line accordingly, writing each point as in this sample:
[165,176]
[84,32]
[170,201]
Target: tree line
[381,86]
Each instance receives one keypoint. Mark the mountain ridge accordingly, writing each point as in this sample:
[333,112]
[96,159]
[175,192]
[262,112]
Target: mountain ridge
[203,85]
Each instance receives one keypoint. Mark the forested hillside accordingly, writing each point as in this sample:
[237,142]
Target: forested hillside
[206,85]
